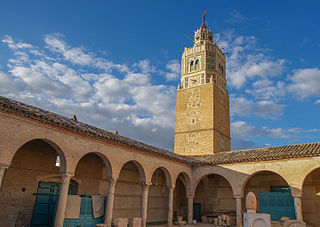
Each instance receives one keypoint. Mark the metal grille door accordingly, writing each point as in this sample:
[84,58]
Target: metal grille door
[277,204]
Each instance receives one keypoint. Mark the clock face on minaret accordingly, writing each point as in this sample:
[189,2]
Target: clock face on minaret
[202,109]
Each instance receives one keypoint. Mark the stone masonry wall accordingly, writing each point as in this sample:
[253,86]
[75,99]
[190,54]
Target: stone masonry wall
[33,162]
[215,195]
[311,198]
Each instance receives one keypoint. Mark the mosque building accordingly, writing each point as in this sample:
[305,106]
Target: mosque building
[57,171]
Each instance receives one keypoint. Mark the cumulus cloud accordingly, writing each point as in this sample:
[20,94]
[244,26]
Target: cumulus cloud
[242,129]
[174,70]
[266,89]
[79,56]
[245,107]
[246,61]
[15,45]
[71,80]
[305,82]
[145,66]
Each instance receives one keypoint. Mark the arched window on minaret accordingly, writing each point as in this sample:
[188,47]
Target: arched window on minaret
[192,66]
[197,64]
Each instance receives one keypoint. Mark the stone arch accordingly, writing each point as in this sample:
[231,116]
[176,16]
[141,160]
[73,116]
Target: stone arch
[185,180]
[140,168]
[243,185]
[269,187]
[221,192]
[198,180]
[310,197]
[310,171]
[167,175]
[31,163]
[9,148]
[103,158]
[63,160]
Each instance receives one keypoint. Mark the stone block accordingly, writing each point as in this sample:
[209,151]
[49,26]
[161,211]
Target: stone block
[134,222]
[294,223]
[120,222]
[256,220]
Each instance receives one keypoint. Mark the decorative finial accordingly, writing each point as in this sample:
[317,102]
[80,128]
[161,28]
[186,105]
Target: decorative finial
[204,16]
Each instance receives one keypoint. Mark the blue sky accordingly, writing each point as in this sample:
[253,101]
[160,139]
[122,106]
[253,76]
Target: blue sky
[116,64]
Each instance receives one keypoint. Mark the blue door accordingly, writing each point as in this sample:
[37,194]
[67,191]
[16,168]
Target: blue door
[277,204]
[45,205]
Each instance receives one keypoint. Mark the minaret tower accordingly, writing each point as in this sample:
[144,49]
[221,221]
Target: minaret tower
[202,111]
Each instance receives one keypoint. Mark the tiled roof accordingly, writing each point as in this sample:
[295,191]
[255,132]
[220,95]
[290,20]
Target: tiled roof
[262,154]
[251,155]
[12,106]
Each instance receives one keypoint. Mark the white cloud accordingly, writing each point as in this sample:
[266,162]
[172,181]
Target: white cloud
[305,82]
[317,102]
[15,45]
[79,56]
[241,129]
[117,98]
[265,108]
[144,66]
[267,90]
[247,62]
[236,17]
[174,70]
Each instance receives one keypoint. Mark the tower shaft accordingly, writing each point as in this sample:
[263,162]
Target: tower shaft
[202,109]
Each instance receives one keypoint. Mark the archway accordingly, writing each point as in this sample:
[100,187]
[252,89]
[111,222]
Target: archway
[35,163]
[311,198]
[127,200]
[273,194]
[93,172]
[158,197]
[180,201]
[213,197]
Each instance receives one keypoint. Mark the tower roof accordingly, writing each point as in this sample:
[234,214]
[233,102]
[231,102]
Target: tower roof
[203,25]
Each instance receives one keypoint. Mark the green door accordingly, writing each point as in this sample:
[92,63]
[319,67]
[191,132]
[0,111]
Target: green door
[197,211]
[45,206]
[277,204]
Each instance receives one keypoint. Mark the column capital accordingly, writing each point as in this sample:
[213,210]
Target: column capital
[171,187]
[297,196]
[146,184]
[66,176]
[190,196]
[238,196]
[112,181]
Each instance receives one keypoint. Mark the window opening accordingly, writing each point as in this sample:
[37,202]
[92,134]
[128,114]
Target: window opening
[197,64]
[192,66]
[58,161]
